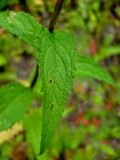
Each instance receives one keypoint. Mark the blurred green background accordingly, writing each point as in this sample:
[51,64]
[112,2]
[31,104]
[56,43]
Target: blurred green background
[90,128]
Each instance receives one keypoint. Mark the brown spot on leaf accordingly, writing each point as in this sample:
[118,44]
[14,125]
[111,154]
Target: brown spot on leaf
[50,81]
[52,106]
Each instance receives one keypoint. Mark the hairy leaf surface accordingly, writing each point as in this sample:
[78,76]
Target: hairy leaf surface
[14,102]
[86,67]
[56,60]
[21,24]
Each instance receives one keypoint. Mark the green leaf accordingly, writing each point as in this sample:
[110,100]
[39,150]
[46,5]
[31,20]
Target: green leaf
[56,61]
[14,102]
[3,60]
[21,24]
[106,52]
[33,126]
[108,149]
[86,67]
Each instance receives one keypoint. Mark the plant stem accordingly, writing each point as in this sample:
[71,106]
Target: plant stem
[35,78]
[55,14]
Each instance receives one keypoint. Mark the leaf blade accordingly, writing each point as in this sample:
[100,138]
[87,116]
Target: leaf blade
[86,67]
[33,125]
[56,61]
[21,24]
[13,104]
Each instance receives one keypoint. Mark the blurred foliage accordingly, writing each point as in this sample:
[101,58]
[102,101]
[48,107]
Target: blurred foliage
[90,129]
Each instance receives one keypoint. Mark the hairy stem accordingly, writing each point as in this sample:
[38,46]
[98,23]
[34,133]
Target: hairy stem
[55,14]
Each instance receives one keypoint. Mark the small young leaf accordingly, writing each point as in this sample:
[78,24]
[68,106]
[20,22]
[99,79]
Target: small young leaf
[33,126]
[14,102]
[21,24]
[86,67]
[56,60]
